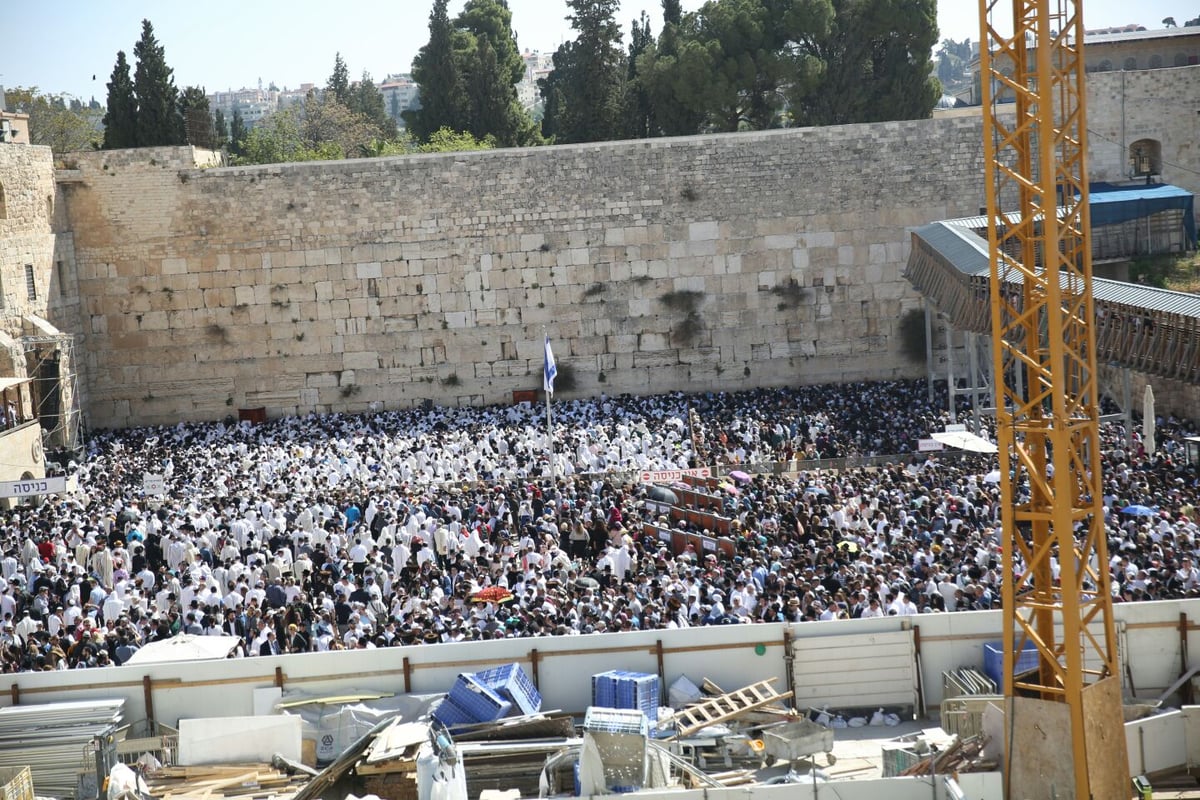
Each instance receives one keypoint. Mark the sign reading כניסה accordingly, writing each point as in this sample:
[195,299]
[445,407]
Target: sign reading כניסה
[33,486]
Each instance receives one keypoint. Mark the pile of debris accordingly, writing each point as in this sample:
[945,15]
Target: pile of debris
[965,755]
[229,781]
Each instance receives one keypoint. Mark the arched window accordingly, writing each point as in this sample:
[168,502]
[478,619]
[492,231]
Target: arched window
[1156,61]
[1105,66]
[1145,158]
[1130,64]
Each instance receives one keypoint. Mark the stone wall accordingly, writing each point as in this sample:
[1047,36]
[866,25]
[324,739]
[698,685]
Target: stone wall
[1160,104]
[674,264]
[27,238]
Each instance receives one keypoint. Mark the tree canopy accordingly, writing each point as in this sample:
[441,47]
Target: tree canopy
[159,121]
[467,72]
[120,120]
[63,126]
[585,96]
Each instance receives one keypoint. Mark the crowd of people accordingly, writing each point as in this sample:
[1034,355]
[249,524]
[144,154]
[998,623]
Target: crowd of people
[461,524]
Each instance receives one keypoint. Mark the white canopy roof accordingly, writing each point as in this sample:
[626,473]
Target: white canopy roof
[964,440]
[184,647]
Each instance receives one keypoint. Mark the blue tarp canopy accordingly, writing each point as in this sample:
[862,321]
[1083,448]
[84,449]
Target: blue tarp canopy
[1112,205]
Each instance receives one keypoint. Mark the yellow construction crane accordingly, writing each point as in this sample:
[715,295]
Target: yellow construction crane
[1064,725]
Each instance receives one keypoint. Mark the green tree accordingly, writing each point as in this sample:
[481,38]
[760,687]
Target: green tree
[197,118]
[589,106]
[665,84]
[436,71]
[237,133]
[491,65]
[468,73]
[445,140]
[639,108]
[120,120]
[878,64]
[158,118]
[64,128]
[339,81]
[320,129]
[366,99]
[221,129]
[729,65]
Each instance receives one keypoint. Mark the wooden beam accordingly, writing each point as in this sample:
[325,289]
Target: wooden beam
[407,676]
[148,696]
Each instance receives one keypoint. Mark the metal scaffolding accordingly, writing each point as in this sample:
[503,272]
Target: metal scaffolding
[50,364]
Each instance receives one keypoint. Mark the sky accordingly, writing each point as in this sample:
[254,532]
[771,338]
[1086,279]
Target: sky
[71,47]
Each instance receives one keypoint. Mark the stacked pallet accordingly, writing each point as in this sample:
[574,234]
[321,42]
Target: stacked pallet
[236,781]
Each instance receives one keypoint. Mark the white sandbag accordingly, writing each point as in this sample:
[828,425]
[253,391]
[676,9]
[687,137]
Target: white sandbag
[877,719]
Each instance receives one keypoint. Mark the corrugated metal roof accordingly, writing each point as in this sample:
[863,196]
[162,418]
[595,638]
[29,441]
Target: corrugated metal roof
[959,246]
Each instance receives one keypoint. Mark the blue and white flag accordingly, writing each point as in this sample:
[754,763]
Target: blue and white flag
[550,371]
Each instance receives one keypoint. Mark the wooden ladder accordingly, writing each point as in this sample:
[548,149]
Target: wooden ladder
[727,706]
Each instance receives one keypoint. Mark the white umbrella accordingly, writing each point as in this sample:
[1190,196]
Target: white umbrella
[992,477]
[1148,421]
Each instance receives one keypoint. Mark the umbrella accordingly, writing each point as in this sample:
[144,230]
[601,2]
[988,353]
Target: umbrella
[816,490]
[662,494]
[492,594]
[1139,511]
[740,476]
[585,582]
[729,487]
[992,477]
[1148,421]
[851,547]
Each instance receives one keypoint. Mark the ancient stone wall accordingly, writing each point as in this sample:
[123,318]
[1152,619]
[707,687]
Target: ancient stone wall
[696,263]
[1160,104]
[675,264]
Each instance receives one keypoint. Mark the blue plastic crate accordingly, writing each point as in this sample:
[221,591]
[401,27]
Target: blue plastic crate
[511,682]
[622,689]
[993,661]
[479,702]
[451,715]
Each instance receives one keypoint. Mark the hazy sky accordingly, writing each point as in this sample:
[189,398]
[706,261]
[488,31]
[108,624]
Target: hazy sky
[58,46]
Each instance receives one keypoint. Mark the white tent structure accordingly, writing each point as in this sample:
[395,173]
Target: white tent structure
[964,440]
[185,647]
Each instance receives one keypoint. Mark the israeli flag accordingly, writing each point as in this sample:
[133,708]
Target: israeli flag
[550,371]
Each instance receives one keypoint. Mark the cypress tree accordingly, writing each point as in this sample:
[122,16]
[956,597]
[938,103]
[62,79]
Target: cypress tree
[120,119]
[592,99]
[158,119]
[339,81]
[237,133]
[197,119]
[436,71]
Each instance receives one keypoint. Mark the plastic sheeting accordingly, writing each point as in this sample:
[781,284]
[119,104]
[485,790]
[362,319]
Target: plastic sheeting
[1112,205]
[337,726]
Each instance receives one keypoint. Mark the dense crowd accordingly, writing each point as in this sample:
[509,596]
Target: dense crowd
[456,524]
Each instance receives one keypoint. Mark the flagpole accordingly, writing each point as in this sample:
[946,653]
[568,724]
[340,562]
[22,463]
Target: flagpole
[547,386]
